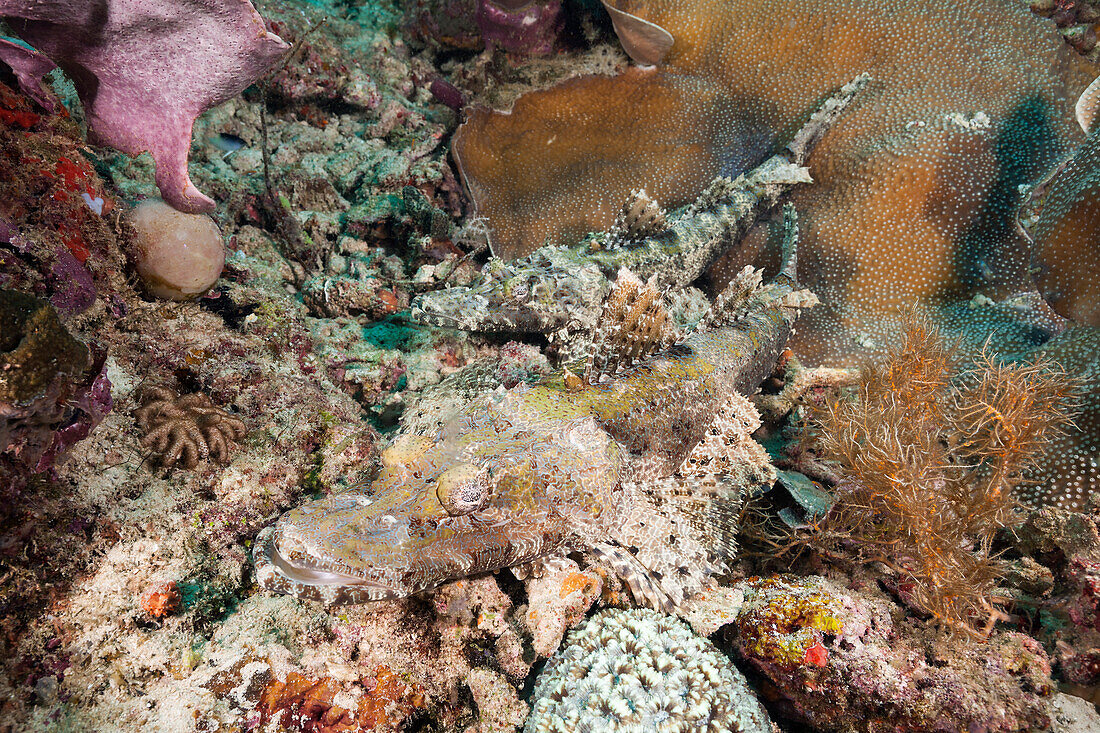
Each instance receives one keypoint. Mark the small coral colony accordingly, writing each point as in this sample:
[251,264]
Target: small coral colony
[640,365]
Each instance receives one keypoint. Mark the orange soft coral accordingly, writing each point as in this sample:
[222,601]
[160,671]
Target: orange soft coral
[930,457]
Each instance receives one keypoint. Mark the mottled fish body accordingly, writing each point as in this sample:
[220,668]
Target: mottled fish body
[592,464]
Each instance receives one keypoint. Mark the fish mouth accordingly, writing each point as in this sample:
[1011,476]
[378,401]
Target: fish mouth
[310,579]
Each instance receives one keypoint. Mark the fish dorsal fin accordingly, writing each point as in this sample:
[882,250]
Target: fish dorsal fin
[647,43]
[734,301]
[1088,106]
[746,291]
[640,217]
[633,325]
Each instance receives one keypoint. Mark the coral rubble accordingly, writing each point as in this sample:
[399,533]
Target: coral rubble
[844,660]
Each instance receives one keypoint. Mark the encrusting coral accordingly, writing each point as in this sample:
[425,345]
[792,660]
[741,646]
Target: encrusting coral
[640,671]
[186,430]
[301,703]
[1071,473]
[842,658]
[930,457]
[1062,216]
[916,185]
[161,601]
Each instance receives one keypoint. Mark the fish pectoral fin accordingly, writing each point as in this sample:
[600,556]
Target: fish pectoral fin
[661,548]
[637,577]
[727,459]
[541,566]
[710,505]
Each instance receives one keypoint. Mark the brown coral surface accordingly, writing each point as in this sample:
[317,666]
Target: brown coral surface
[1067,235]
[1070,475]
[915,186]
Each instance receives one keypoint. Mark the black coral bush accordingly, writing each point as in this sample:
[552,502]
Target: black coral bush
[929,455]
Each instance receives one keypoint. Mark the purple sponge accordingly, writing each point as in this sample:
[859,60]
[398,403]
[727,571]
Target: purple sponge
[144,70]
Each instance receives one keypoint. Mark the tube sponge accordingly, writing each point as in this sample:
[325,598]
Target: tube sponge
[177,256]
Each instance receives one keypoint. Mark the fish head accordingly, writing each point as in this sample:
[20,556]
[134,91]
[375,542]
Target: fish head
[492,489]
[528,296]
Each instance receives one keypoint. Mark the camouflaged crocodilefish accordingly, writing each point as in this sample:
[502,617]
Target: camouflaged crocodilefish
[600,461]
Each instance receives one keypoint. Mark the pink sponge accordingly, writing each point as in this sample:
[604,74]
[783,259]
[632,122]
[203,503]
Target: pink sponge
[144,70]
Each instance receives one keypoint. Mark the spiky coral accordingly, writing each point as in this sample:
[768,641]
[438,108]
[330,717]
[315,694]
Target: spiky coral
[930,455]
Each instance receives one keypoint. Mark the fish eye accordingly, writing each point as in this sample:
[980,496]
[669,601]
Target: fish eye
[463,489]
[520,290]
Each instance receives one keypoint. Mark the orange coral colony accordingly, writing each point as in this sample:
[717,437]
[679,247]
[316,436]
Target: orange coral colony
[164,600]
[916,185]
[1067,230]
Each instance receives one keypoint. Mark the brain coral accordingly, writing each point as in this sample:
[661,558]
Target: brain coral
[641,671]
[916,185]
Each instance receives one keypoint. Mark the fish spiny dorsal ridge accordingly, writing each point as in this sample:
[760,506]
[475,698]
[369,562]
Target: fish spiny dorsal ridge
[633,325]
